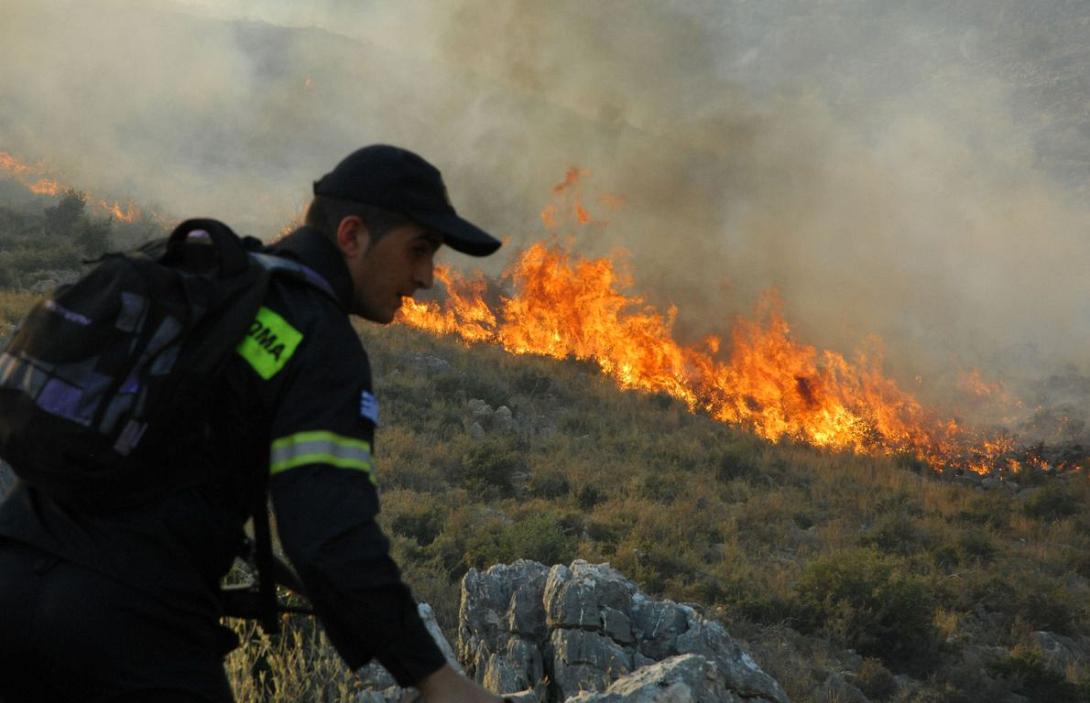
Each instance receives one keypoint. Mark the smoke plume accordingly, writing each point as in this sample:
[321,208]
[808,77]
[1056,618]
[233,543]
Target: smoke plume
[894,172]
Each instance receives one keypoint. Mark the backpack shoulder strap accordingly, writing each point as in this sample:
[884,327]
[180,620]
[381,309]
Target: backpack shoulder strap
[277,264]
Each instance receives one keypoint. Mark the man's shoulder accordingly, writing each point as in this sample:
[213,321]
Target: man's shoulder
[315,315]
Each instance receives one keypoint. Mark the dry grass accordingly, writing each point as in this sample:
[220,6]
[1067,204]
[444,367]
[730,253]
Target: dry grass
[694,510]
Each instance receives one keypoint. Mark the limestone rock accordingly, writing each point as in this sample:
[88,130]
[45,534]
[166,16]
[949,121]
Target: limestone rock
[576,596]
[687,678]
[503,420]
[428,363]
[580,630]
[380,686]
[617,625]
[837,688]
[658,624]
[710,639]
[501,625]
[527,696]
[480,411]
[388,695]
[519,666]
[586,660]
[432,625]
[1059,652]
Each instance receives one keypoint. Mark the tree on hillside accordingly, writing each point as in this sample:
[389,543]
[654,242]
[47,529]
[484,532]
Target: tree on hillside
[68,220]
[61,219]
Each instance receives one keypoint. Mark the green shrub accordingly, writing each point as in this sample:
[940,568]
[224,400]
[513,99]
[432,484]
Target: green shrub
[1045,605]
[1053,502]
[868,601]
[541,537]
[588,496]
[660,487]
[548,483]
[976,546]
[875,680]
[531,382]
[738,461]
[487,469]
[897,533]
[1027,675]
[421,525]
[991,510]
[22,266]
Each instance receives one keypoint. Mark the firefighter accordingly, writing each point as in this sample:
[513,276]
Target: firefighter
[123,605]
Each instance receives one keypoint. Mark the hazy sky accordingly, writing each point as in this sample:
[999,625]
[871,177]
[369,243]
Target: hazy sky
[876,164]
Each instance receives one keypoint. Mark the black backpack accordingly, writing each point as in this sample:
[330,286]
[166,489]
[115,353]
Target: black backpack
[109,375]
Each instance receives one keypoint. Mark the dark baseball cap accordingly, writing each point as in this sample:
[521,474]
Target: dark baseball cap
[398,180]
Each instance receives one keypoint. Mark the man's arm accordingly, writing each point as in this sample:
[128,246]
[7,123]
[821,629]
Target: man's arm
[325,518]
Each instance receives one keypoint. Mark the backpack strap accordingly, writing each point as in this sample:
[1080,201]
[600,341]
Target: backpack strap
[232,253]
[269,575]
[277,264]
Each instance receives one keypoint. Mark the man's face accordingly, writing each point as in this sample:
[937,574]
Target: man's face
[384,271]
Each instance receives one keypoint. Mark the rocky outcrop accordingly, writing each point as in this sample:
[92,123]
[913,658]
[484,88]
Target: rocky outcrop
[484,419]
[377,683]
[590,633]
[687,677]
[1060,653]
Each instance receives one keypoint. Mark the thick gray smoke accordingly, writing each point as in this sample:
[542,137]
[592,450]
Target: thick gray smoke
[913,174]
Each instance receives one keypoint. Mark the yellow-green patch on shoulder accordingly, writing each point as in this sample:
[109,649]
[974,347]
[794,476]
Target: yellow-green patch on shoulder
[269,343]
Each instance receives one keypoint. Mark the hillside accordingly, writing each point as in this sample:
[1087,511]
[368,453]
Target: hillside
[807,554]
[829,566]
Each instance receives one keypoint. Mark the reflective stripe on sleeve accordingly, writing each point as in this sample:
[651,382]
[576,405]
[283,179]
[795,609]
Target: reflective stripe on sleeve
[320,447]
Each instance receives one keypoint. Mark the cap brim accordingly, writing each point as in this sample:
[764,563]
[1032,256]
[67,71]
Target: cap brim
[458,234]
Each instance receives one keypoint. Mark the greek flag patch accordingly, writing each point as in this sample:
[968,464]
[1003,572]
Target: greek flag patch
[369,407]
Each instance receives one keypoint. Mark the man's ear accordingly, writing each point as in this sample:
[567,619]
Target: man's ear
[353,237]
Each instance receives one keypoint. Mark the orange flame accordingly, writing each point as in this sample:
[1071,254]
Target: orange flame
[12,165]
[570,202]
[297,221]
[563,305]
[34,178]
[127,214]
[45,186]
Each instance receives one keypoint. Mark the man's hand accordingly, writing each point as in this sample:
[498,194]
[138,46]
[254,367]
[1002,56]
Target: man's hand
[448,686]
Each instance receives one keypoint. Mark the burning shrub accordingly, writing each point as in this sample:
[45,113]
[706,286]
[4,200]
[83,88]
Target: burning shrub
[871,603]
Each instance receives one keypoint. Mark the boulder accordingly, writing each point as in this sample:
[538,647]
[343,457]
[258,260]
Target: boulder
[837,688]
[1060,652]
[579,630]
[501,625]
[379,685]
[503,420]
[687,678]
[586,660]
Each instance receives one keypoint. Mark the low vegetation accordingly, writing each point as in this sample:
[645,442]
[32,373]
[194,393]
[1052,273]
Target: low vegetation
[917,589]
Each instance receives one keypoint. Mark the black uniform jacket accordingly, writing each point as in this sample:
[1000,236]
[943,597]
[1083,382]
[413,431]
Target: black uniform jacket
[295,401]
